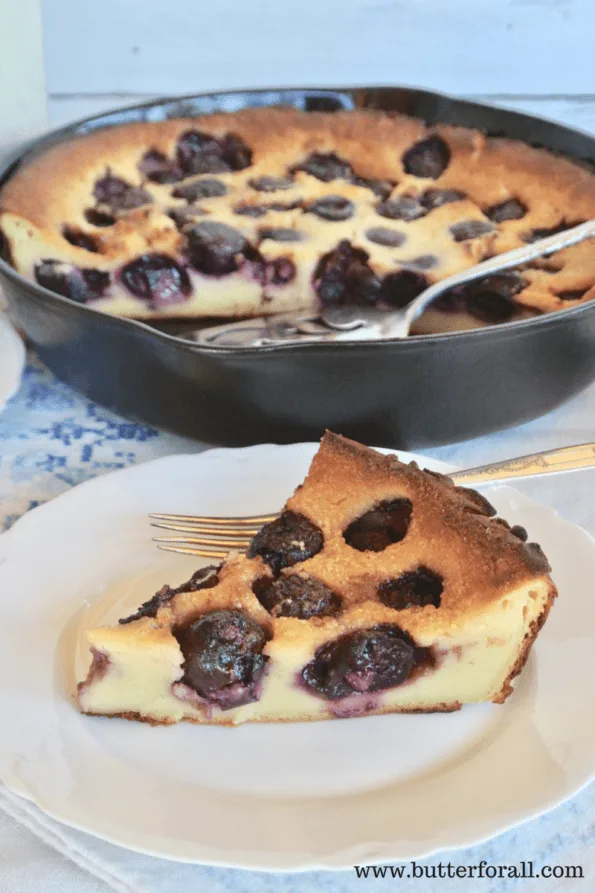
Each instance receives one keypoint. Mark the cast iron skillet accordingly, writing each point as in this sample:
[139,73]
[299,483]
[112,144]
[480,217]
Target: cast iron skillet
[426,391]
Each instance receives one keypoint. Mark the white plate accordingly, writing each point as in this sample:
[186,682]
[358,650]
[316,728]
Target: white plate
[288,796]
[12,360]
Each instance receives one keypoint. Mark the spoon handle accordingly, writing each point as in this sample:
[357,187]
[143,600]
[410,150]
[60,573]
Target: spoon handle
[573,458]
[368,324]
[500,262]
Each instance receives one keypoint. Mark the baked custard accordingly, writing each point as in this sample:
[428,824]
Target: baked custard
[380,588]
[270,210]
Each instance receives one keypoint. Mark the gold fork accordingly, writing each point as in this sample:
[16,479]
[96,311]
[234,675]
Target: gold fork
[216,537]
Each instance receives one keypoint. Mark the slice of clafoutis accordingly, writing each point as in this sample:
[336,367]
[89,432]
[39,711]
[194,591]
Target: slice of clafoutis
[381,588]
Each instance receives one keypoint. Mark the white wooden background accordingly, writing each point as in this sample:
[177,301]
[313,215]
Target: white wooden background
[22,87]
[535,55]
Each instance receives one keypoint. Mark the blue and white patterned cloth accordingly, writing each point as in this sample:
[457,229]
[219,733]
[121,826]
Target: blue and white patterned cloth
[52,439]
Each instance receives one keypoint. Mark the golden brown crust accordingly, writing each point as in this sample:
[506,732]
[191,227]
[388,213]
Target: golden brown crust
[56,188]
[478,557]
[534,630]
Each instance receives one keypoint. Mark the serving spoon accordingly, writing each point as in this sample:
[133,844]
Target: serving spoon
[351,323]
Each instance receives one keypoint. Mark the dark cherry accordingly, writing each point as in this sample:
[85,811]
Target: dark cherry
[325,166]
[478,502]
[490,307]
[208,188]
[489,299]
[99,218]
[80,239]
[185,215]
[281,234]
[271,184]
[223,660]
[435,198]
[152,606]
[508,282]
[502,285]
[251,210]
[511,209]
[215,248]
[255,266]
[541,233]
[156,278]
[296,596]
[419,588]
[428,158]
[381,188]
[382,235]
[236,152]
[343,276]
[78,285]
[424,262]
[288,540]
[201,153]
[400,288]
[470,229]
[452,301]
[367,660]
[120,195]
[544,264]
[403,208]
[280,271]
[332,207]
[384,524]
[248,210]
[572,294]
[539,555]
[158,168]
[519,532]
[93,285]
[322,104]
[204,578]
[284,206]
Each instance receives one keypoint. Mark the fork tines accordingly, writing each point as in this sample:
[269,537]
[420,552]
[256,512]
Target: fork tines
[259,520]
[213,537]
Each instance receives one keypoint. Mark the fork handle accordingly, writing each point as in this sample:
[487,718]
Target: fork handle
[573,458]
